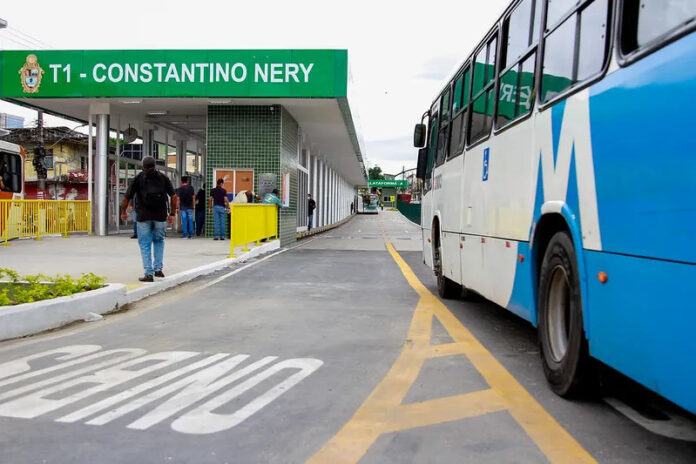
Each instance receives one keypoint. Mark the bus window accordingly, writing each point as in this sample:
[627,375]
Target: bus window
[517,83]
[432,145]
[445,105]
[557,9]
[563,67]
[645,23]
[461,100]
[457,98]
[593,37]
[10,172]
[442,145]
[657,18]
[483,92]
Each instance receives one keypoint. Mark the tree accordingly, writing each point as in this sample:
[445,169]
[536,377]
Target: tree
[375,173]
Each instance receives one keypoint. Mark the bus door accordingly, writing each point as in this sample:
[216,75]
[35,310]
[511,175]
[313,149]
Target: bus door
[427,198]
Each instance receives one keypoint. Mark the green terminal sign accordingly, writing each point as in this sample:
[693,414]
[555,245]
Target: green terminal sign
[380,183]
[174,73]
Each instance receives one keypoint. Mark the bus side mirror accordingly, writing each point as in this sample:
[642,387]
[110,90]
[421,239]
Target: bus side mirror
[422,163]
[419,135]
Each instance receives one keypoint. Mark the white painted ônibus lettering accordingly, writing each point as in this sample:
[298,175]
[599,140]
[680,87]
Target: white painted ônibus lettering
[113,357]
[196,387]
[21,365]
[63,394]
[202,420]
[185,380]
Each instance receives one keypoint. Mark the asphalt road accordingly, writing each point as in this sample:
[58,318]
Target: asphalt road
[333,351]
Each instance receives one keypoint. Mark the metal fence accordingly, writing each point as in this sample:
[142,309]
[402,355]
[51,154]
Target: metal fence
[412,211]
[36,218]
[252,223]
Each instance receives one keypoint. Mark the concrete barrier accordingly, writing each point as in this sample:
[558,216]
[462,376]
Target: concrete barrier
[30,318]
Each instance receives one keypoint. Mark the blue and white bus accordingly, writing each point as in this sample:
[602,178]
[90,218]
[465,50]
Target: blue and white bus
[559,169]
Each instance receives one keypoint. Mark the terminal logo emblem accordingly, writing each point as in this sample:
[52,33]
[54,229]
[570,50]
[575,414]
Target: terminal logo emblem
[31,74]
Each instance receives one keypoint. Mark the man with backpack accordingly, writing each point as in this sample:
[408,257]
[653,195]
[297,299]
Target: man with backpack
[153,190]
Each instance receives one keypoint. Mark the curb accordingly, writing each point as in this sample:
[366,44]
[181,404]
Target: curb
[177,279]
[320,230]
[31,318]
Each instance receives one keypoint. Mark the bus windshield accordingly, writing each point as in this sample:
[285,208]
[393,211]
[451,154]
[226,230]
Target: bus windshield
[10,172]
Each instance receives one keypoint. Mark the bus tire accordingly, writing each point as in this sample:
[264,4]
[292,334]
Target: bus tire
[446,288]
[562,343]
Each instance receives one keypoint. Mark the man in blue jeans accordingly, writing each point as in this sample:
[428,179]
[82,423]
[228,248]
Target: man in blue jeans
[219,206]
[153,190]
[187,198]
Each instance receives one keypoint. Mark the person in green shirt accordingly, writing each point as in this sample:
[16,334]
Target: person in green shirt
[272,198]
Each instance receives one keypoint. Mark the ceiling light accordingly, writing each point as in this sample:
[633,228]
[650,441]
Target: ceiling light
[219,101]
[131,102]
[157,113]
[197,130]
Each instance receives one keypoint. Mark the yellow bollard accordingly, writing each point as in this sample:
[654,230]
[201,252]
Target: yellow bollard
[231,233]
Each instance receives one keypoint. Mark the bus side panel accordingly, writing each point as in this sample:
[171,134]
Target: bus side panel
[426,224]
[448,179]
[643,322]
[521,300]
[510,184]
[643,121]
[451,259]
[473,204]
[472,263]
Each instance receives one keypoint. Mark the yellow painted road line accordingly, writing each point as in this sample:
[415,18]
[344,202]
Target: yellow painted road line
[383,411]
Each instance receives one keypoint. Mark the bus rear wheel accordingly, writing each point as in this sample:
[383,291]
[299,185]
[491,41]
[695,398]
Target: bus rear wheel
[446,288]
[562,344]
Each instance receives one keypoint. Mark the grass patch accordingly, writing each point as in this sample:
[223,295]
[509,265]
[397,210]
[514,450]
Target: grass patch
[17,289]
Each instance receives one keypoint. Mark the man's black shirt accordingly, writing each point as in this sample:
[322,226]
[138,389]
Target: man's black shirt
[152,179]
[185,193]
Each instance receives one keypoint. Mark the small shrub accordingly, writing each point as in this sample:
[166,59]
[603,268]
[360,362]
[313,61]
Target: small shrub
[16,289]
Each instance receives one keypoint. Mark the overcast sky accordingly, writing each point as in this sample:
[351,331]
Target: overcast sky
[400,53]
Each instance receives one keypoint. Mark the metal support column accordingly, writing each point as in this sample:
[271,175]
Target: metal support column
[101,176]
[180,158]
[117,203]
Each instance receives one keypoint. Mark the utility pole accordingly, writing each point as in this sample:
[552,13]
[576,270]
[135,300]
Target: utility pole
[40,178]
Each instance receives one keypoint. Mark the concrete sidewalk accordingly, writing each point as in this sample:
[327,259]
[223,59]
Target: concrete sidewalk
[115,257]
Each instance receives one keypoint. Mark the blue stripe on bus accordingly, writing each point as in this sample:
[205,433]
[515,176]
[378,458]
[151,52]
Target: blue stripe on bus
[643,322]
[642,120]
[522,297]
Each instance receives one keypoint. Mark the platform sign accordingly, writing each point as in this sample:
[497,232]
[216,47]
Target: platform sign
[267,183]
[173,73]
[381,183]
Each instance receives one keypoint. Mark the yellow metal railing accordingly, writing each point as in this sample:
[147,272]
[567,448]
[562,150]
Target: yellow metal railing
[252,223]
[35,218]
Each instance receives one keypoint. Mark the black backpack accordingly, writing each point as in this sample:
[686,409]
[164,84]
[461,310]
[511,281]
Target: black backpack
[153,193]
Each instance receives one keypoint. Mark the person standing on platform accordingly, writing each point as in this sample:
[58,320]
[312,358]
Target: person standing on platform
[311,206]
[187,198]
[219,206]
[153,189]
[200,210]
